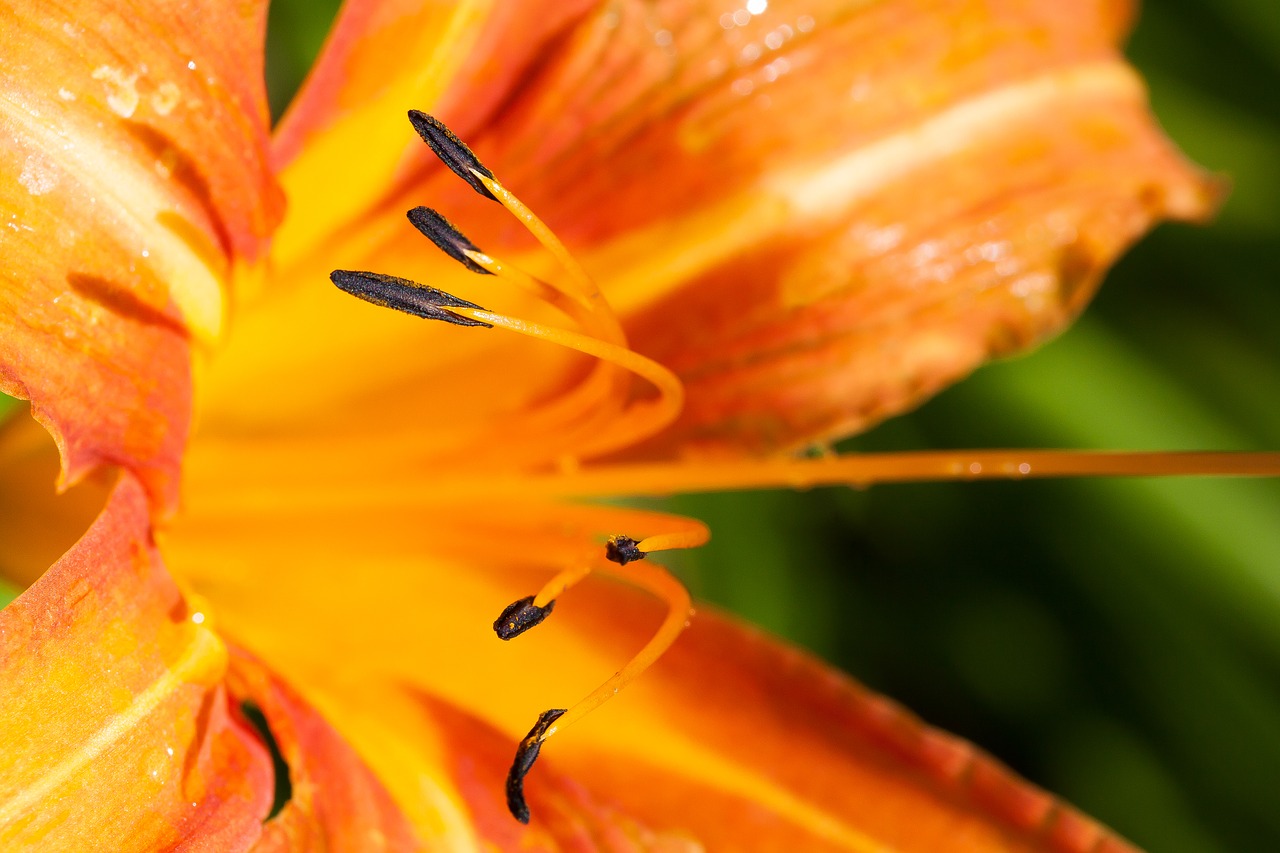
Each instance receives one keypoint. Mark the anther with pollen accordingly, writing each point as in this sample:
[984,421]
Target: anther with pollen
[404,295]
[525,756]
[519,617]
[447,238]
[452,151]
[623,550]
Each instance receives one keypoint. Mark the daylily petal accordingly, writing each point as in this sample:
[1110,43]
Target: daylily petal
[872,200]
[727,724]
[134,172]
[336,803]
[117,726]
[759,741]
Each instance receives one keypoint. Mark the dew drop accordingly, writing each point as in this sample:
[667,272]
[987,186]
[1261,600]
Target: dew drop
[122,90]
[38,175]
[165,98]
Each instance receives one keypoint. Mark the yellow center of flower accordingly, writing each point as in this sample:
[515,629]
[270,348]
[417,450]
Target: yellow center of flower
[618,420]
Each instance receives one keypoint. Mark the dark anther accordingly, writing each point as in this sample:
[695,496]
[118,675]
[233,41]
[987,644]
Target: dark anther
[519,617]
[623,550]
[526,754]
[447,238]
[451,150]
[404,295]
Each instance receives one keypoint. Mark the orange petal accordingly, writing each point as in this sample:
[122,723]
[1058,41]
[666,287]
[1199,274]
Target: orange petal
[135,177]
[818,215]
[759,741]
[117,724]
[336,804]
[822,213]
[729,733]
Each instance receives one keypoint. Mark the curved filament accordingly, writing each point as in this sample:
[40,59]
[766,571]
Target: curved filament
[644,418]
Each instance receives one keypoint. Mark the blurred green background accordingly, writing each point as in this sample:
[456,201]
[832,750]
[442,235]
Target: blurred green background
[1118,642]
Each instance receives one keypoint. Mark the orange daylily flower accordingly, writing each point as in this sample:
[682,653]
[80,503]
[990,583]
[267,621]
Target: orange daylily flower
[796,220]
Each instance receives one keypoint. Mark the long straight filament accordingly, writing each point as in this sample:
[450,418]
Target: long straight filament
[867,469]
[661,479]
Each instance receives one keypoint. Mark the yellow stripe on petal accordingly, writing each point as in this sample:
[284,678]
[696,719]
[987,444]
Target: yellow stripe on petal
[342,142]
[116,724]
[202,662]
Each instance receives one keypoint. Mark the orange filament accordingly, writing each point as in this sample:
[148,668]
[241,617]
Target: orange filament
[661,583]
[667,478]
[692,535]
[604,392]
[644,418]
[566,303]
[588,290]
[562,581]
[865,469]
[695,536]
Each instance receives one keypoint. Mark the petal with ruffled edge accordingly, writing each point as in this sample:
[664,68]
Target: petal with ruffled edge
[728,740]
[135,177]
[116,722]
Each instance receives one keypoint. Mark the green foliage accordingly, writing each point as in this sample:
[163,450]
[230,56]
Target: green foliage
[295,31]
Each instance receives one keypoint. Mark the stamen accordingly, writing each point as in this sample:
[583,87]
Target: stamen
[520,616]
[562,581]
[653,579]
[543,235]
[452,151]
[622,550]
[404,295]
[567,302]
[643,419]
[602,395]
[447,238]
[455,154]
[584,419]
[661,583]
[525,756]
